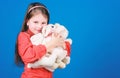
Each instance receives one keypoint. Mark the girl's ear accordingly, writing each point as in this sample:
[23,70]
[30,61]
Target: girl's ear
[27,22]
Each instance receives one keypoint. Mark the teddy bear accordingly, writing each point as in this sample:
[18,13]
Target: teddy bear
[58,57]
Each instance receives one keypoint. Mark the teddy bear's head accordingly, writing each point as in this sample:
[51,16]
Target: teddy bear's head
[57,28]
[61,30]
[48,30]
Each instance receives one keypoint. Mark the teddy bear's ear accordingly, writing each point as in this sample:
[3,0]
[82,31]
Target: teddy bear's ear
[57,24]
[63,31]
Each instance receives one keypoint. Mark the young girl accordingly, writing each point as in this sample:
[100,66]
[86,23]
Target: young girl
[36,17]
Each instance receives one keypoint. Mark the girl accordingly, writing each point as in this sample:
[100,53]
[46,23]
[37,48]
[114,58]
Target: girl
[36,17]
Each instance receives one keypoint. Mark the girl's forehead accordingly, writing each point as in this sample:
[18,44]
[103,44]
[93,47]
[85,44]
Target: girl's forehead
[39,17]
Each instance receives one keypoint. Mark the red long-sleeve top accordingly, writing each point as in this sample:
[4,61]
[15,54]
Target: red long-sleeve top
[30,53]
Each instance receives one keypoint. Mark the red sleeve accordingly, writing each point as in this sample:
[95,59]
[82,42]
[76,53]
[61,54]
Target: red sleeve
[27,51]
[68,47]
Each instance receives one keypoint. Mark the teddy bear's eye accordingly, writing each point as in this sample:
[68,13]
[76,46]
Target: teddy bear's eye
[52,26]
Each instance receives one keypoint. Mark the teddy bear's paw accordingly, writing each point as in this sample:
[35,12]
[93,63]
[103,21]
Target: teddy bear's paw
[51,69]
[37,39]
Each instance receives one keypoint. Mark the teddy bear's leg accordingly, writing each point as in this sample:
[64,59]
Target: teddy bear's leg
[44,61]
[66,60]
[62,65]
[49,68]
[58,60]
[48,61]
[55,65]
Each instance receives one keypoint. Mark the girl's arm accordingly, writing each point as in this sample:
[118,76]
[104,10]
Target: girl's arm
[68,47]
[27,51]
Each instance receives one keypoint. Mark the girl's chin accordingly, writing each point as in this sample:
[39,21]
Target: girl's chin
[37,32]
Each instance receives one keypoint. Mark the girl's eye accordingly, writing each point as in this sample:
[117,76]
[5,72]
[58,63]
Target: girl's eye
[35,21]
[44,23]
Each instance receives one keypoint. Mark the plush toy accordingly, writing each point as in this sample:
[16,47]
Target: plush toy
[58,57]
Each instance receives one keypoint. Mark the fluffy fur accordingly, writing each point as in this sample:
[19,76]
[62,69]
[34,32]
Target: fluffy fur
[56,59]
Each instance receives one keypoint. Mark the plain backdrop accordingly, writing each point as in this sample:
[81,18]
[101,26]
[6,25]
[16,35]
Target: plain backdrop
[94,26]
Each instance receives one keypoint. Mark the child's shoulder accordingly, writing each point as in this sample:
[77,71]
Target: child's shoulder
[23,34]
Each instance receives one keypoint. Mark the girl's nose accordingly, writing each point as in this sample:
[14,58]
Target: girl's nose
[40,25]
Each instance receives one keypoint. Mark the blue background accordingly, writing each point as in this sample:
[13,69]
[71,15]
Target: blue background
[94,26]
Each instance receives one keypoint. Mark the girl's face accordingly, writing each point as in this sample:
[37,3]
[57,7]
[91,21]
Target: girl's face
[36,23]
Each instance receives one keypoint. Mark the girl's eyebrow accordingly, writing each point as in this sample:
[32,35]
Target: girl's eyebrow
[35,21]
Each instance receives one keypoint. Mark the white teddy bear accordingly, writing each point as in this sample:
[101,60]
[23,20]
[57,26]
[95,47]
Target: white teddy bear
[58,57]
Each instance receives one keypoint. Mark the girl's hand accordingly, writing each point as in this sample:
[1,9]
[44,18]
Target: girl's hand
[56,40]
